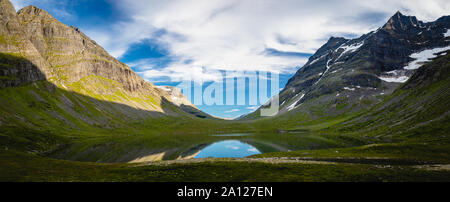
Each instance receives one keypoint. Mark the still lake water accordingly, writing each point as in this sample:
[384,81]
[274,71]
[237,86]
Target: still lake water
[228,149]
[181,147]
[239,145]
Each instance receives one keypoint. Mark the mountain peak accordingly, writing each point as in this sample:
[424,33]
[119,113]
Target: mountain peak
[7,10]
[32,10]
[401,22]
[332,38]
[398,14]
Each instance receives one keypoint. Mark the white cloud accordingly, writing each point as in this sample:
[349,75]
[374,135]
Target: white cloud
[232,147]
[234,34]
[18,4]
[233,110]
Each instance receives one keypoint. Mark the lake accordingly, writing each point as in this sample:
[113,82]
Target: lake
[195,146]
[228,149]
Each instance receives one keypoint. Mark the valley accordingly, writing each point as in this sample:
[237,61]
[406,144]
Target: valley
[374,108]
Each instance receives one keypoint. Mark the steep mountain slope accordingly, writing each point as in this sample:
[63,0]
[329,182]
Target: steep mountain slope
[411,123]
[54,74]
[347,75]
[417,110]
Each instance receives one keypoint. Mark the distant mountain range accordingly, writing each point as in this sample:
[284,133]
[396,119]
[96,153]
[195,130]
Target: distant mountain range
[347,75]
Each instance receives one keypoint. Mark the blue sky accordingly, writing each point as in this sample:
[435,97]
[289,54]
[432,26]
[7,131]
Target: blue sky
[168,41]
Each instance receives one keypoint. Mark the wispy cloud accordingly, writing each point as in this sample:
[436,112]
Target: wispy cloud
[18,4]
[233,110]
[263,35]
[232,147]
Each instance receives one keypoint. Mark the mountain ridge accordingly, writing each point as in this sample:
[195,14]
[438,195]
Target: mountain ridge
[353,72]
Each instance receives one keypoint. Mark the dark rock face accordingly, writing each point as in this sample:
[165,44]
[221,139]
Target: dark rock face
[15,71]
[353,67]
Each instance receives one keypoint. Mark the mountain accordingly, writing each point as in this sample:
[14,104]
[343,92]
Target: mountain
[51,73]
[416,111]
[348,75]
[373,108]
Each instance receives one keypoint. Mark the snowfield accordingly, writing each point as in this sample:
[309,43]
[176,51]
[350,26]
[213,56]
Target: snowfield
[292,106]
[349,48]
[323,74]
[400,79]
[314,61]
[395,76]
[424,56]
[352,48]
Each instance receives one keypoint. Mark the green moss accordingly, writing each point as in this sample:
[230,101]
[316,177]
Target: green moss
[9,40]
[3,39]
[100,58]
[11,58]
[11,61]
[8,78]
[61,39]
[112,91]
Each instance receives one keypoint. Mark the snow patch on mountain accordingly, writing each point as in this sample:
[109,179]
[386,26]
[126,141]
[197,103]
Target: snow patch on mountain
[395,72]
[396,76]
[424,56]
[323,74]
[293,105]
[349,48]
[316,60]
[447,34]
[400,79]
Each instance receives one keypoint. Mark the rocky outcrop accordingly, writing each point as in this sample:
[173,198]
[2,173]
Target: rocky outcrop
[175,95]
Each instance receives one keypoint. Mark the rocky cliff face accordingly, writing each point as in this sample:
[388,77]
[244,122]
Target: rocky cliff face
[349,74]
[72,54]
[77,72]
[14,43]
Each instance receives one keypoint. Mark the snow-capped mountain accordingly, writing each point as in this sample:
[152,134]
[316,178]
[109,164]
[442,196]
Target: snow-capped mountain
[349,74]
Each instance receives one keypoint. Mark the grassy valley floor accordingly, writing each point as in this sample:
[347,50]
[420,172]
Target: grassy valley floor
[16,166]
[404,138]
[337,157]
[325,153]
